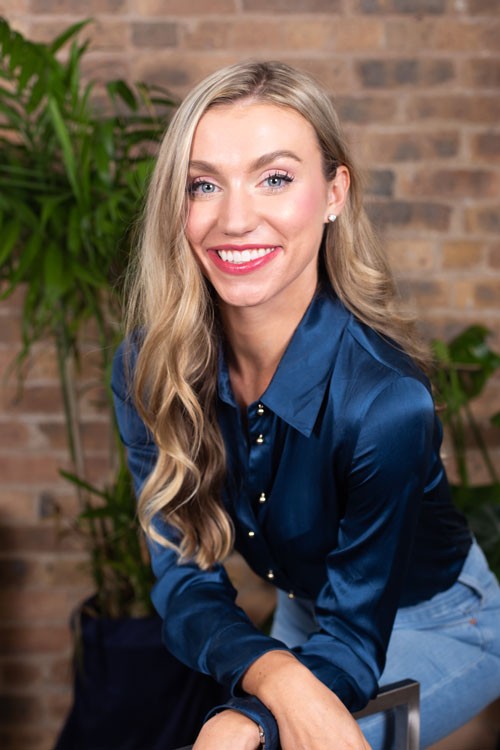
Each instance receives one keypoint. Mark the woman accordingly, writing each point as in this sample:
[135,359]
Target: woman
[271,397]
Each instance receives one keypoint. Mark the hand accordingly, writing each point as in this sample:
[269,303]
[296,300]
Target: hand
[228,730]
[309,715]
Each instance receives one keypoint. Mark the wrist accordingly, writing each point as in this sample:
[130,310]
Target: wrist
[269,673]
[229,722]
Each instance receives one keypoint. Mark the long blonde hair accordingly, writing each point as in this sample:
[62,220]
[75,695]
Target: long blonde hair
[174,380]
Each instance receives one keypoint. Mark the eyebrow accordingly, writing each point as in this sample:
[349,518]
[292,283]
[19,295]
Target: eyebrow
[260,163]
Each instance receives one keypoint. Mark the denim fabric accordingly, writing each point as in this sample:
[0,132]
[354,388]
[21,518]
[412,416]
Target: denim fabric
[450,644]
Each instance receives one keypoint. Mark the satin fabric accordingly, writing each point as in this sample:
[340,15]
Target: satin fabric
[337,493]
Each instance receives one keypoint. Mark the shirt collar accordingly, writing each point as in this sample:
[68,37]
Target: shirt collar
[296,392]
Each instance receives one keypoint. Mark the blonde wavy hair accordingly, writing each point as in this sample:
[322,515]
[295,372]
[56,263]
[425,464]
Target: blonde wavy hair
[174,379]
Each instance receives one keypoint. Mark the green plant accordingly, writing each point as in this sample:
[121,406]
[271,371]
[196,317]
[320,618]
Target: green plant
[463,368]
[74,162]
[122,585]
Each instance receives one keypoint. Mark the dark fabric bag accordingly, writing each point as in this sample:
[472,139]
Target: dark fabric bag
[130,693]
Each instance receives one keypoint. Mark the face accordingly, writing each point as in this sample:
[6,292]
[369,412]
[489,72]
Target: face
[258,204]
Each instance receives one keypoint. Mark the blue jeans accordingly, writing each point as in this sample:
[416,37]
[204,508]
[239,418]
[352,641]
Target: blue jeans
[450,644]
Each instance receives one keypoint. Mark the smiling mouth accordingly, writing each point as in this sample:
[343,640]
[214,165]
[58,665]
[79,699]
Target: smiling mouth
[244,256]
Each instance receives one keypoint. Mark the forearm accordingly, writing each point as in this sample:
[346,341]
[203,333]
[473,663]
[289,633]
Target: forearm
[268,674]
[306,711]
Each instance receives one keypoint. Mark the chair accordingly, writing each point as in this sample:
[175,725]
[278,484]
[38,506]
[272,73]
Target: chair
[404,699]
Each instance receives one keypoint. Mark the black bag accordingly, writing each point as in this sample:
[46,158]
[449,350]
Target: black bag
[130,693]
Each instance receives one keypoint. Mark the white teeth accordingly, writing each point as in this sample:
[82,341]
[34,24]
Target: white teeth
[243,256]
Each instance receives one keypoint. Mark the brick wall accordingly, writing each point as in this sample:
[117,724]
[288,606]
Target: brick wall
[417,85]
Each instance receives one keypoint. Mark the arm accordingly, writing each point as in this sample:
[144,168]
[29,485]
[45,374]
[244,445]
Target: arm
[201,621]
[384,490]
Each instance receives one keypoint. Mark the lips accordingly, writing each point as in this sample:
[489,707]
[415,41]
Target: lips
[240,260]
[244,256]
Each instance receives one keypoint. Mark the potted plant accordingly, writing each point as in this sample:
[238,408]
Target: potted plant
[464,366]
[74,162]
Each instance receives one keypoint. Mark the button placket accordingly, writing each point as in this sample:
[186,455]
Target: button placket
[259,478]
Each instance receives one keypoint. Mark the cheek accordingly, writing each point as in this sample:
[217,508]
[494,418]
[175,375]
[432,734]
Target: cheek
[197,223]
[306,212]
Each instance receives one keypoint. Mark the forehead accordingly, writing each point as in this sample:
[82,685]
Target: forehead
[248,129]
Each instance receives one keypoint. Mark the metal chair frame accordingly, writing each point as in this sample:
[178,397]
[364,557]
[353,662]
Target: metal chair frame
[404,699]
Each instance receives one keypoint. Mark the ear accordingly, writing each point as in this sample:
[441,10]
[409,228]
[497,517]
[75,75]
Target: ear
[338,189]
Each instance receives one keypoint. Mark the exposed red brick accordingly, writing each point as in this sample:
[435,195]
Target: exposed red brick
[494,255]
[17,673]
[399,213]
[411,255]
[428,293]
[61,671]
[74,6]
[182,7]
[95,435]
[458,35]
[412,147]
[454,183]
[460,254]
[487,293]
[154,34]
[417,7]
[409,72]
[482,7]
[483,219]
[465,107]
[486,146]
[22,737]
[36,538]
[483,73]
[43,639]
[366,109]
[36,399]
[16,709]
[292,6]
[57,703]
[25,605]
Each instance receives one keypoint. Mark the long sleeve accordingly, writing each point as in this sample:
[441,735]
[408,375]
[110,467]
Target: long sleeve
[356,606]
[202,625]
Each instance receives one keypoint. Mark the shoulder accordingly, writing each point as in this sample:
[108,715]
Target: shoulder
[373,377]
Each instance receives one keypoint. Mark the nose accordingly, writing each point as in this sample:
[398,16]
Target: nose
[238,214]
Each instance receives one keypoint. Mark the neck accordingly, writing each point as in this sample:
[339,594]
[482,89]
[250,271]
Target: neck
[257,339]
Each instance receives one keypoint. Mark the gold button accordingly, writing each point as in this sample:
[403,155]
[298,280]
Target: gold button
[291,595]
[260,439]
[262,498]
[270,574]
[260,409]
[251,533]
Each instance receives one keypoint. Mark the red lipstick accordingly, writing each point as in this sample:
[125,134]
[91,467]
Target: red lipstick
[241,259]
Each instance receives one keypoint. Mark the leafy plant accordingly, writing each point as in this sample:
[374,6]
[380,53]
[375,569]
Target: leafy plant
[119,560]
[74,162]
[463,368]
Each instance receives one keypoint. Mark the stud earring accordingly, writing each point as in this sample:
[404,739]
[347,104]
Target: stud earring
[331,218]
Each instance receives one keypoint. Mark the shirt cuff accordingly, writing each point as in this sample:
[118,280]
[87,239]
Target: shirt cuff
[252,707]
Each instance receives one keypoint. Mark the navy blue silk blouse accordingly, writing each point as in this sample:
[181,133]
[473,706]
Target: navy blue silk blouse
[337,493]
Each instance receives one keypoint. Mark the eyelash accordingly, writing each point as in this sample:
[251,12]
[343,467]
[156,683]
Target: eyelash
[284,176]
[196,183]
[192,188]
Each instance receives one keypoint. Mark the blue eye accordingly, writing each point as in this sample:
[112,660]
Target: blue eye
[201,187]
[277,180]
